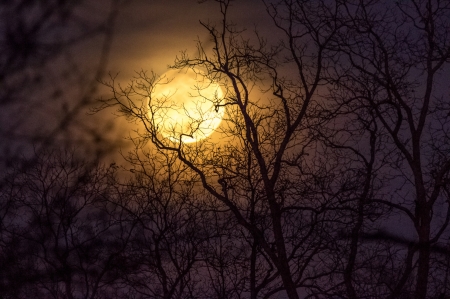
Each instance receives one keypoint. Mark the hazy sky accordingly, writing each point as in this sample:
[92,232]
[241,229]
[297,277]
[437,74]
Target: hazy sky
[149,34]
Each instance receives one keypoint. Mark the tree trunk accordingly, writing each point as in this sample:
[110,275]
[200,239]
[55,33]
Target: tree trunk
[423,268]
[253,292]
[283,264]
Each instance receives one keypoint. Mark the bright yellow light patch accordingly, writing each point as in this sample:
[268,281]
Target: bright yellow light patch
[185,109]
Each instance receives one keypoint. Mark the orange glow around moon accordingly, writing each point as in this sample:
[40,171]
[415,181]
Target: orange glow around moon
[184,107]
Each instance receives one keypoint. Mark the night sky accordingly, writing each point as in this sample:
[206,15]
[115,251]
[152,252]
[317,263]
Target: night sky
[340,172]
[149,35]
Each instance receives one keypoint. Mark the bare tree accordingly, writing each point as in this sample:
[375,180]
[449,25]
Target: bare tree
[328,135]
[395,60]
[64,234]
[164,256]
[41,77]
[262,174]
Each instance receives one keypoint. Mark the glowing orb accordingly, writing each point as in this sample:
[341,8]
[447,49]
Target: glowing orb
[184,106]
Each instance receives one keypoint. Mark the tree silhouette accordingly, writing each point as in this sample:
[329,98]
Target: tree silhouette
[395,57]
[337,126]
[267,143]
[41,77]
[164,255]
[328,177]
[64,233]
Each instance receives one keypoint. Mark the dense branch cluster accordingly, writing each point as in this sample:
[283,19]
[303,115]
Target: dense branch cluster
[331,178]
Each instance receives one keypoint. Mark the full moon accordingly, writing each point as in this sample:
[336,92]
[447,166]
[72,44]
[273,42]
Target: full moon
[184,106]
